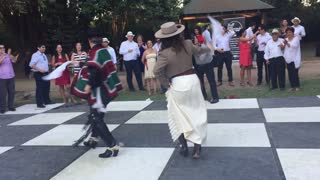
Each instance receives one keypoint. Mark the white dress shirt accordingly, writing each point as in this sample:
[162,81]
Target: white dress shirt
[112,54]
[262,41]
[124,50]
[40,60]
[207,36]
[223,41]
[293,53]
[299,31]
[273,49]
[249,34]
[157,47]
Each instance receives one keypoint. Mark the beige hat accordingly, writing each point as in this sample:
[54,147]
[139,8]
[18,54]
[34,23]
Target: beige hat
[169,29]
[129,34]
[275,31]
[105,40]
[296,19]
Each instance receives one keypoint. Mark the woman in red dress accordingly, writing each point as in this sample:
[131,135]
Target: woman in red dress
[198,35]
[245,56]
[64,81]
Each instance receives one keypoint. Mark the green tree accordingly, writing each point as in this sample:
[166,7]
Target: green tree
[117,16]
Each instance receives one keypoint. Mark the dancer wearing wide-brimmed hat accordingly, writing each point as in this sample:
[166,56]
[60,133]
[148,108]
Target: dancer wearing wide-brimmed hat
[186,106]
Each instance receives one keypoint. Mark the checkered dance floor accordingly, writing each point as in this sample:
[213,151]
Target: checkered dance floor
[248,139]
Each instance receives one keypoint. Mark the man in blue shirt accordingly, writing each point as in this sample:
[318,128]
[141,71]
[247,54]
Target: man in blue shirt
[40,67]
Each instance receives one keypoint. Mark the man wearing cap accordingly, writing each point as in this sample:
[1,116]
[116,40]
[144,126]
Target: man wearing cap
[299,30]
[273,54]
[105,44]
[130,51]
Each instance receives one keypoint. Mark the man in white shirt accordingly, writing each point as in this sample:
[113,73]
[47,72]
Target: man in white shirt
[206,34]
[249,33]
[105,44]
[261,42]
[157,46]
[274,57]
[299,30]
[224,55]
[130,51]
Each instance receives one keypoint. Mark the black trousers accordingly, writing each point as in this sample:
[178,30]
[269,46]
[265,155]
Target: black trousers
[209,71]
[7,87]
[293,75]
[100,129]
[42,89]
[134,66]
[253,50]
[277,72]
[141,65]
[225,57]
[260,63]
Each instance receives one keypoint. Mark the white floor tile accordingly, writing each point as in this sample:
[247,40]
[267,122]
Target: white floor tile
[303,114]
[237,135]
[132,163]
[128,105]
[47,118]
[4,149]
[32,109]
[234,104]
[63,135]
[149,117]
[300,164]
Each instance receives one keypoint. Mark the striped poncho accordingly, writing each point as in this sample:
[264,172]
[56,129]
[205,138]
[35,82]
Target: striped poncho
[100,59]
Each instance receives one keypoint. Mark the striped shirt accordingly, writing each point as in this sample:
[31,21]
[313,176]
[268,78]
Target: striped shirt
[77,57]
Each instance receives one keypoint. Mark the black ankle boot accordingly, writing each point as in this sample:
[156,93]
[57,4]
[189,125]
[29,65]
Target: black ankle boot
[113,151]
[196,151]
[91,143]
[184,146]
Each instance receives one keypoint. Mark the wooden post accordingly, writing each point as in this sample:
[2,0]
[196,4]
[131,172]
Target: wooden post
[264,18]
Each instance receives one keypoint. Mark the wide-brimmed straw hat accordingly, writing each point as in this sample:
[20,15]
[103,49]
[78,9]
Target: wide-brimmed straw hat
[105,40]
[275,31]
[296,19]
[169,29]
[129,34]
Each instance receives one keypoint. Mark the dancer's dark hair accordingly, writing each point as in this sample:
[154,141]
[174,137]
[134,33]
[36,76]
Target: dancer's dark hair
[176,42]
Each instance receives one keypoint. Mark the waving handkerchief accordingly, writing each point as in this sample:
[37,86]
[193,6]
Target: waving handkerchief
[57,72]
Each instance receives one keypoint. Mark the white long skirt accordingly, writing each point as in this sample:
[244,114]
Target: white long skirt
[187,109]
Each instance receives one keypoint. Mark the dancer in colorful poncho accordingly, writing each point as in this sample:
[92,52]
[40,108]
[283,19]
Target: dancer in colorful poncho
[97,82]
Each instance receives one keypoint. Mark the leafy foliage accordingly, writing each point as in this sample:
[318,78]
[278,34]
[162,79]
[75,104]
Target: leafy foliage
[288,9]
[67,21]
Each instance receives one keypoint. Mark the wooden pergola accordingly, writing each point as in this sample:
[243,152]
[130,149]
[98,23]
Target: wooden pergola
[233,13]
[200,9]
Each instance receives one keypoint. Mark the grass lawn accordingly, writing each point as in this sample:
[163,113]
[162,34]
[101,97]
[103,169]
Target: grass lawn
[308,88]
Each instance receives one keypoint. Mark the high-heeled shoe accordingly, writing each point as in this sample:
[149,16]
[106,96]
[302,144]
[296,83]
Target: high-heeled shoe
[91,143]
[196,151]
[111,151]
[184,151]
